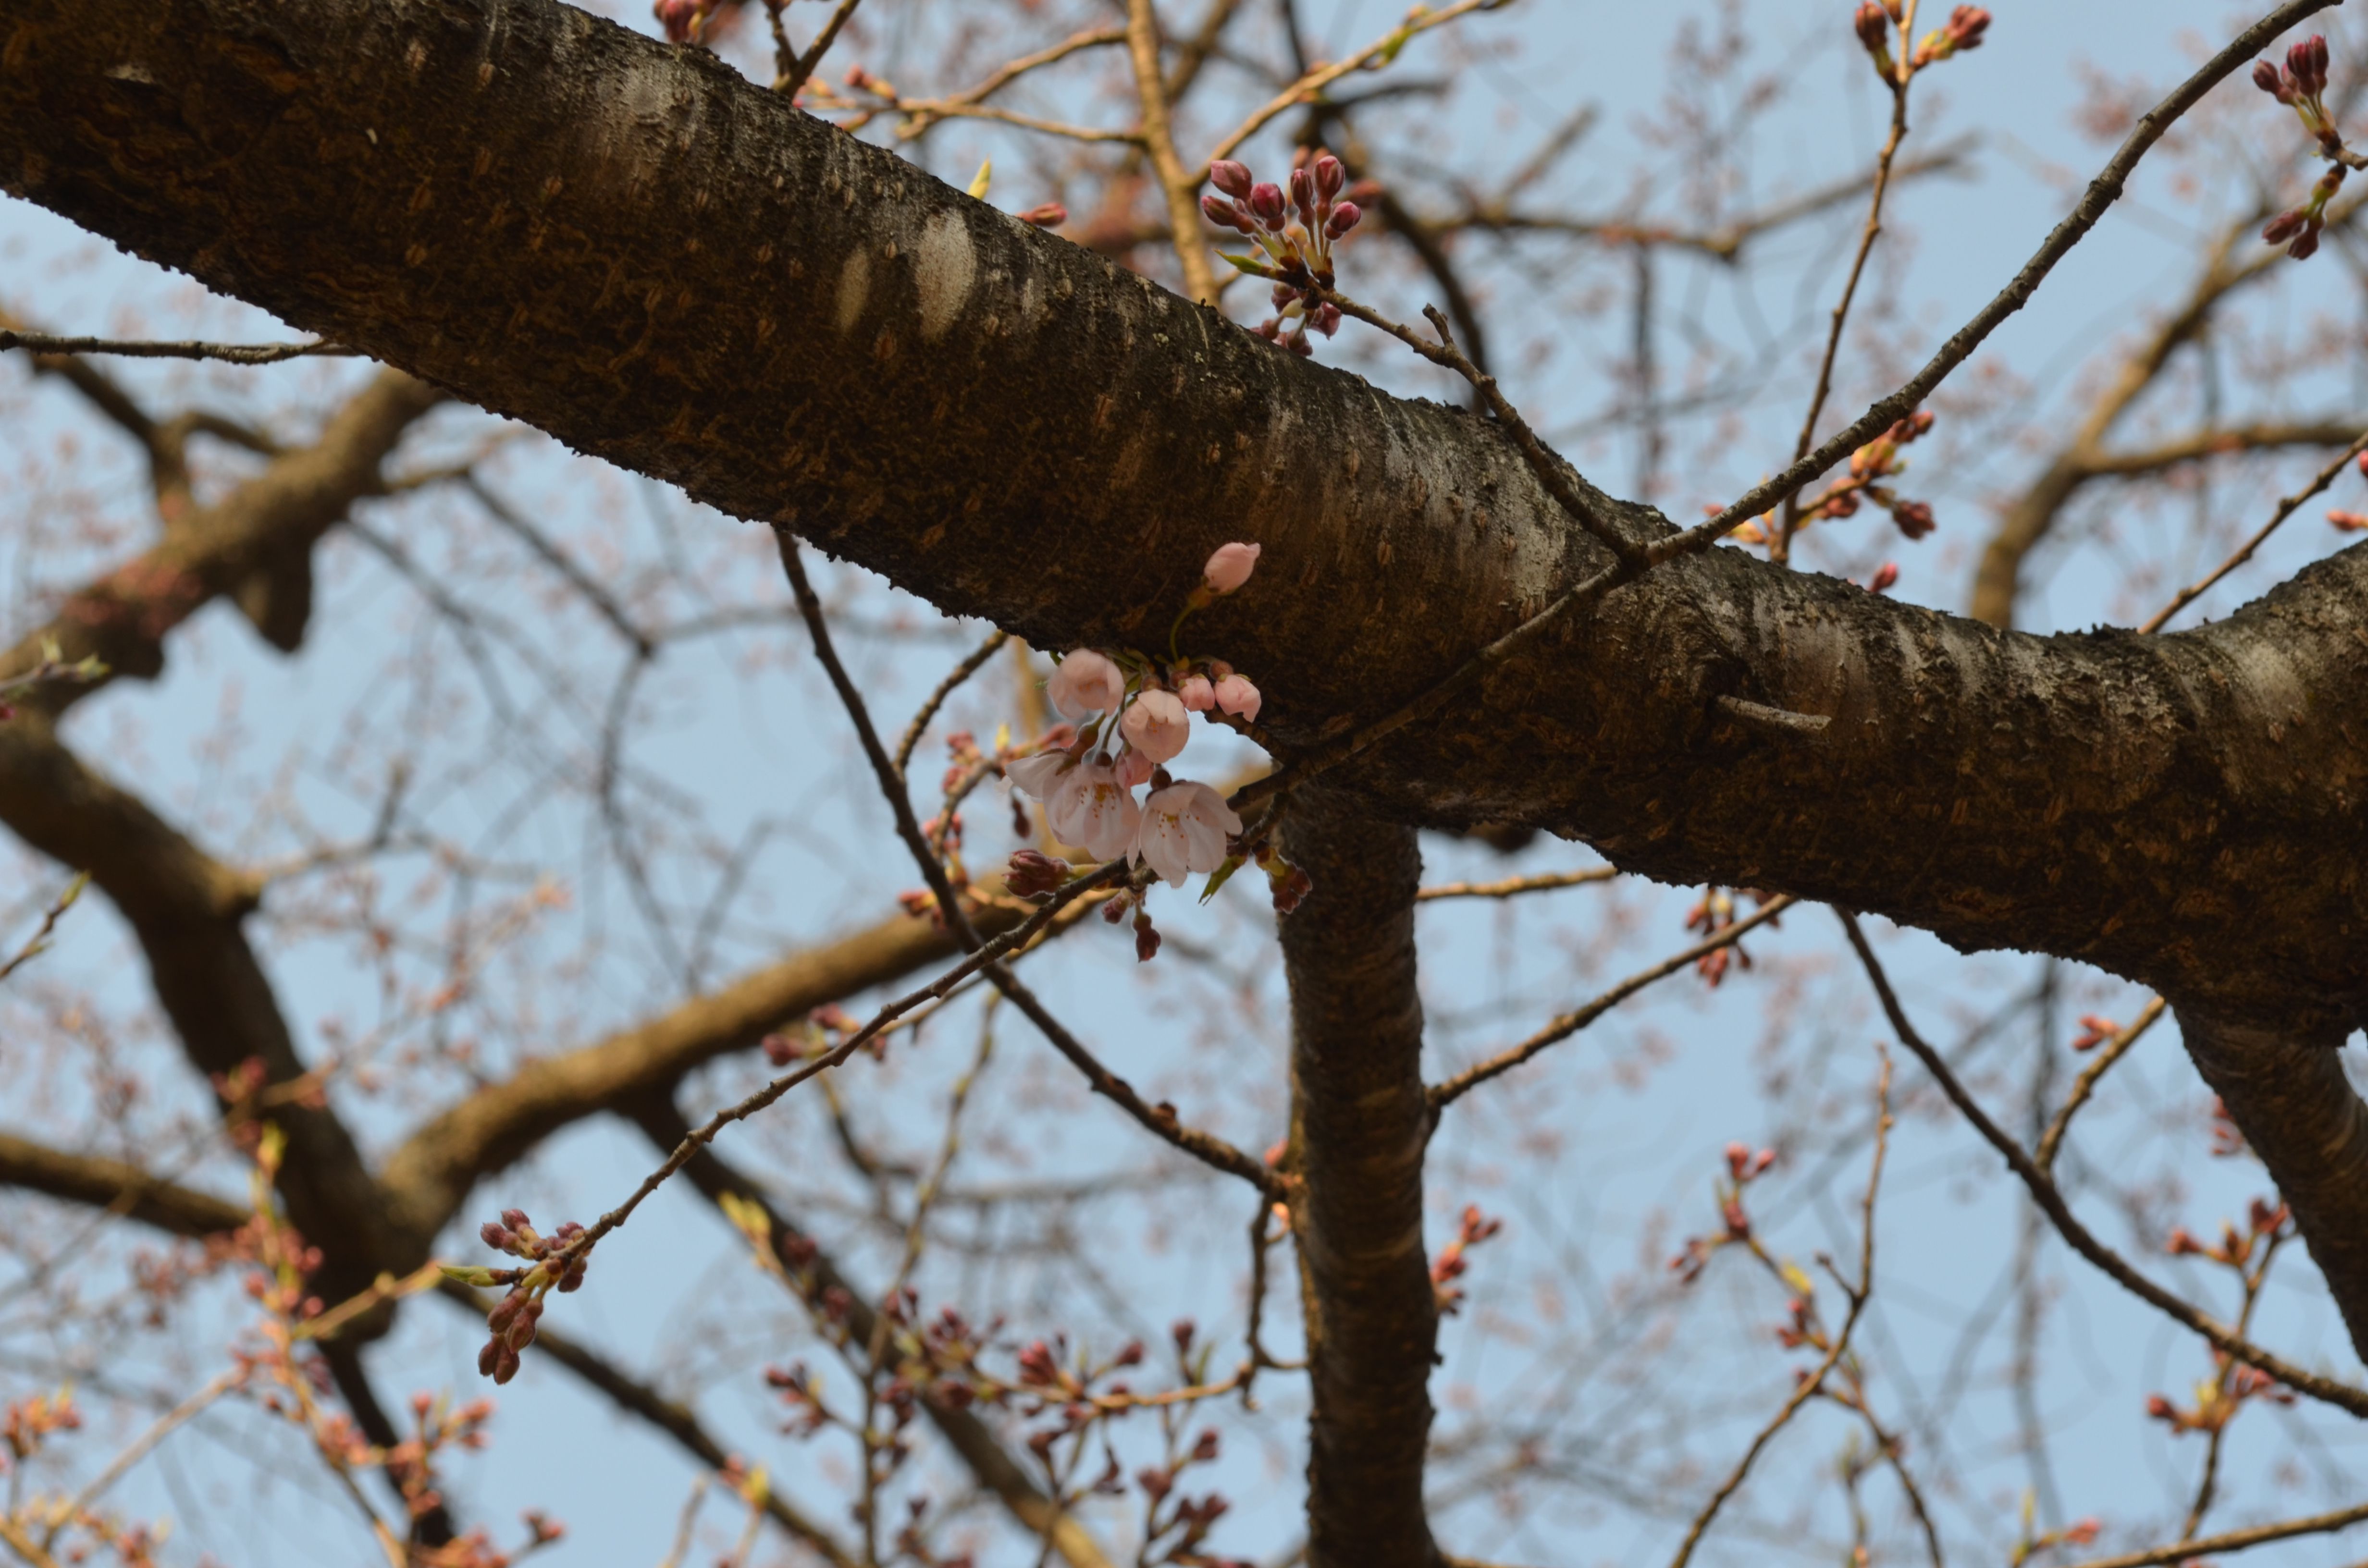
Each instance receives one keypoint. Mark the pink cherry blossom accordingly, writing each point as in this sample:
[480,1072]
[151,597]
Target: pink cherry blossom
[1039,774]
[1236,694]
[1196,694]
[1157,725]
[1183,831]
[1230,567]
[1135,768]
[1095,808]
[1086,683]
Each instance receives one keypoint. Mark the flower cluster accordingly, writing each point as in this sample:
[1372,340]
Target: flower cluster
[1712,914]
[1448,1265]
[1133,716]
[1297,253]
[1875,18]
[2266,1224]
[513,1319]
[2302,86]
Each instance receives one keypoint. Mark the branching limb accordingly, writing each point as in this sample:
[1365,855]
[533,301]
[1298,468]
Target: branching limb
[2343,1396]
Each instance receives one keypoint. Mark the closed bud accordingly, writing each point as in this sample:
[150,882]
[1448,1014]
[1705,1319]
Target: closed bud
[1303,194]
[1344,218]
[2282,227]
[495,1236]
[2305,246]
[516,1219]
[1229,177]
[1885,576]
[1223,213]
[1266,204]
[1035,875]
[1329,176]
[1966,24]
[1051,215]
[2266,77]
[1873,27]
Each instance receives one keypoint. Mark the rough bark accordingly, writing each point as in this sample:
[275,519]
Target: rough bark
[2289,1081]
[1359,1122]
[632,248]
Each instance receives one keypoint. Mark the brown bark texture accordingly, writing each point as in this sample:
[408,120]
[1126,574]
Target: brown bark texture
[1359,1122]
[631,247]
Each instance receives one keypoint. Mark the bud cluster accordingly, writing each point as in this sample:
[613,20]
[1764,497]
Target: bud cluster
[2302,86]
[1295,239]
[514,1317]
[1877,460]
[1875,18]
[1710,915]
[1743,1168]
[1448,1265]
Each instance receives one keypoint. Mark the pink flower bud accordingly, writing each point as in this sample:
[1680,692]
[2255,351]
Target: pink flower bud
[1966,24]
[1086,683]
[1156,725]
[1231,177]
[2349,522]
[1330,176]
[2305,246]
[1135,768]
[1266,204]
[1230,567]
[1196,694]
[1235,695]
[1914,518]
[1035,875]
[2266,77]
[1885,576]
[1224,214]
[1051,215]
[2282,227]
[2307,61]
[1303,193]
[1328,318]
[1873,27]
[1344,218]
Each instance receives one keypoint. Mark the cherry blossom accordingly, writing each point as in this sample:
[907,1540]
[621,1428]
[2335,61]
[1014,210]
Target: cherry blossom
[1086,683]
[1093,806]
[1183,830]
[1039,775]
[1230,567]
[1235,695]
[1196,694]
[1157,724]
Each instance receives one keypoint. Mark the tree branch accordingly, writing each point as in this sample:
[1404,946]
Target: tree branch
[1358,1125]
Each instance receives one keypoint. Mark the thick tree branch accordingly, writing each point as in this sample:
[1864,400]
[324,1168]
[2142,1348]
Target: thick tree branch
[976,409]
[1359,1122]
[117,1187]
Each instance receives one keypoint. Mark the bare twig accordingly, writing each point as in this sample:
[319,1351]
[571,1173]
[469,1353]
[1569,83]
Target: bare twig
[2112,1051]
[2287,508]
[795,77]
[136,349]
[1512,886]
[946,687]
[2050,1199]
[1808,1386]
[1442,1095]
[2234,1540]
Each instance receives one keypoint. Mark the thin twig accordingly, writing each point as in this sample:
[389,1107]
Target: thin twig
[1444,1094]
[789,83]
[1808,1386]
[2235,1540]
[2101,194]
[1177,187]
[2114,1049]
[946,687]
[2287,508]
[2050,1199]
[141,348]
[1372,57]
[1513,886]
[1904,72]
